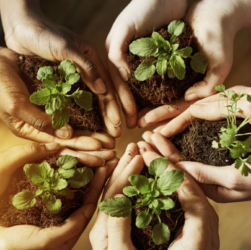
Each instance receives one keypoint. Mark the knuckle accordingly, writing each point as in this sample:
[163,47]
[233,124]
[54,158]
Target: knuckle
[233,182]
[31,148]
[89,66]
[200,176]
[13,108]
[40,124]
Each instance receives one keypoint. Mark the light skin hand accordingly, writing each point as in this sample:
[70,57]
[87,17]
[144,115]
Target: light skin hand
[138,19]
[29,32]
[61,237]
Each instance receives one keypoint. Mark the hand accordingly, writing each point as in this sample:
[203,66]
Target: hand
[215,24]
[138,19]
[61,237]
[26,120]
[28,31]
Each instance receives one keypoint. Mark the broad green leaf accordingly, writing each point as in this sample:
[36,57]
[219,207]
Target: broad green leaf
[157,211]
[81,177]
[231,93]
[59,184]
[66,67]
[176,27]
[146,200]
[65,99]
[199,63]
[160,234]
[130,191]
[161,67]
[140,182]
[41,97]
[144,71]
[64,191]
[155,203]
[66,174]
[143,47]
[173,38]
[60,118]
[159,39]
[245,170]
[49,84]
[158,166]
[143,219]
[46,199]
[155,193]
[227,137]
[51,106]
[167,46]
[178,66]
[152,182]
[66,87]
[249,98]
[67,161]
[243,94]
[40,192]
[116,207]
[238,163]
[163,56]
[166,203]
[24,200]
[237,151]
[215,144]
[185,52]
[249,159]
[55,207]
[43,72]
[170,73]
[220,88]
[175,47]
[84,100]
[170,181]
[72,78]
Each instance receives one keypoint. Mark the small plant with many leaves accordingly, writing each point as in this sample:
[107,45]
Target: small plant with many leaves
[169,59]
[228,136]
[55,95]
[52,182]
[151,194]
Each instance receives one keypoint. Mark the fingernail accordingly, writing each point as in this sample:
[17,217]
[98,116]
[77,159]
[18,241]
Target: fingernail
[63,133]
[199,108]
[191,97]
[99,86]
[52,146]
[115,126]
[188,189]
[123,74]
[89,211]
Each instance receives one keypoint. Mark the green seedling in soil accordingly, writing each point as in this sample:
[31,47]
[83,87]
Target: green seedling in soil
[54,96]
[228,136]
[169,59]
[52,182]
[152,196]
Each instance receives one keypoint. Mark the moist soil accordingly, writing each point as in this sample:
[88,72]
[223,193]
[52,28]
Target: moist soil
[159,90]
[39,215]
[142,237]
[195,143]
[79,118]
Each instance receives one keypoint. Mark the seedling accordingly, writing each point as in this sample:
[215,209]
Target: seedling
[54,96]
[151,194]
[228,136]
[168,58]
[52,182]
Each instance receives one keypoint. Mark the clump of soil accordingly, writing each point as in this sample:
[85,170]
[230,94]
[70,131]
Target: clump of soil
[157,91]
[142,237]
[195,143]
[39,215]
[79,118]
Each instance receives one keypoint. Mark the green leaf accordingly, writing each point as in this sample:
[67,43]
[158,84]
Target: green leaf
[243,94]
[72,78]
[161,67]
[185,53]
[59,184]
[49,84]
[175,47]
[140,182]
[143,47]
[160,234]
[146,200]
[144,71]
[130,191]
[67,161]
[220,88]
[40,192]
[116,207]
[215,144]
[66,174]
[167,46]
[60,118]
[84,100]
[66,67]
[154,204]
[43,72]
[55,206]
[238,163]
[245,170]
[166,203]
[41,97]
[46,199]
[24,200]
[158,166]
[64,192]
[143,219]
[178,66]
[249,98]
[155,193]
[237,151]
[152,182]
[65,99]
[249,159]
[66,87]
[228,137]
[81,177]
[199,63]
[173,38]
[176,27]
[170,73]
[170,181]
[159,39]
[231,93]
[51,106]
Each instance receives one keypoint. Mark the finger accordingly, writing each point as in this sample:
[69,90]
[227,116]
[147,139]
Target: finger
[145,147]
[111,165]
[119,232]
[147,137]
[105,155]
[141,118]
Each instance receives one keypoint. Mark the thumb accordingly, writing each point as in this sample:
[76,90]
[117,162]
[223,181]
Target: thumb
[119,232]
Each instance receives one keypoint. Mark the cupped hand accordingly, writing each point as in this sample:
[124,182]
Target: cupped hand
[138,19]
[61,237]
[29,32]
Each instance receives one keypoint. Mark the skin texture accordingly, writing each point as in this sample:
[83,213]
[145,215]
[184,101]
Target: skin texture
[200,231]
[64,236]
[215,24]
[29,32]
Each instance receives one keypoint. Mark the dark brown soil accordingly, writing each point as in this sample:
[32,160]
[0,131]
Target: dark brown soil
[142,238]
[156,91]
[39,215]
[79,118]
[195,143]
